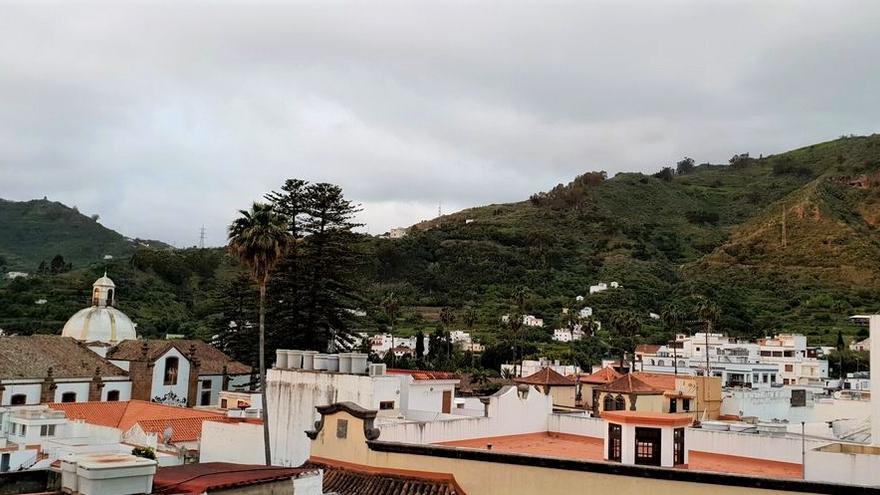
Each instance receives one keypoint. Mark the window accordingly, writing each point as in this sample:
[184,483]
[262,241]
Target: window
[685,404]
[608,403]
[206,383]
[789,368]
[68,397]
[18,400]
[386,404]
[113,396]
[678,446]
[698,349]
[614,441]
[756,378]
[620,403]
[171,364]
[341,428]
[648,446]
[785,381]
[205,398]
[224,403]
[788,353]
[765,353]
[47,430]
[22,430]
[660,362]
[673,405]
[765,377]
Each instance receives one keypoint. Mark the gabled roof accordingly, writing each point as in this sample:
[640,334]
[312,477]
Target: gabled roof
[423,374]
[208,477]
[351,479]
[32,356]
[152,417]
[647,349]
[211,359]
[641,383]
[546,377]
[605,375]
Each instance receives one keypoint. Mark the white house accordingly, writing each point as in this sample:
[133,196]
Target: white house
[527,320]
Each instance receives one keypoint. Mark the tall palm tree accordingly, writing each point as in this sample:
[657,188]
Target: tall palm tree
[259,239]
[391,307]
[673,316]
[708,312]
[627,326]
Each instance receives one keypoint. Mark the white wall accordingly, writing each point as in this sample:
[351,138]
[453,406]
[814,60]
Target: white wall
[80,389]
[428,395]
[577,424]
[32,391]
[17,458]
[124,389]
[847,468]
[771,448]
[509,414]
[232,442]
[182,385]
[216,383]
[293,395]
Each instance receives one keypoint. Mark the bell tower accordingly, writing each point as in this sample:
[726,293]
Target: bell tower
[104,292]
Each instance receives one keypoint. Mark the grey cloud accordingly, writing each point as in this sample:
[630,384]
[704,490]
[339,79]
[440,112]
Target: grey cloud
[165,116]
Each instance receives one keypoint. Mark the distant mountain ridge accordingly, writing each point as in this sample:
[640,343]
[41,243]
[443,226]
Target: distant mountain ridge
[37,230]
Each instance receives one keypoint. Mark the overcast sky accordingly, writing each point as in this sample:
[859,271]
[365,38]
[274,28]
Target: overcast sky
[164,117]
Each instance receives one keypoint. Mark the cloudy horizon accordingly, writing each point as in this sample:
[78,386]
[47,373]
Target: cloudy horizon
[163,117]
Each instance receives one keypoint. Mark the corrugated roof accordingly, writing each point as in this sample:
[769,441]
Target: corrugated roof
[349,479]
[424,374]
[605,375]
[211,359]
[152,417]
[210,476]
[546,377]
[32,356]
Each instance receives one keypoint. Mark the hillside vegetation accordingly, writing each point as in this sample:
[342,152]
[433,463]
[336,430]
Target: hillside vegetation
[712,230]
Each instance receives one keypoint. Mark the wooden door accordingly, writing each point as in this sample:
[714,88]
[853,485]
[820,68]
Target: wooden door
[447,401]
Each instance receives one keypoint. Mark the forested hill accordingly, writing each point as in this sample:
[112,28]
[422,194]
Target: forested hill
[711,230]
[39,230]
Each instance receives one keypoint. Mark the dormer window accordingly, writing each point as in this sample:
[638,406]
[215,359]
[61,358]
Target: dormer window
[171,365]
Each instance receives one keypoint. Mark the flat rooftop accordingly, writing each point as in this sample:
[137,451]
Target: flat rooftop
[566,446]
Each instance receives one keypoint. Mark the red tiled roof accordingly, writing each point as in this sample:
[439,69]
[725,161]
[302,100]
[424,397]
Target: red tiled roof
[663,381]
[546,377]
[647,349]
[152,417]
[605,375]
[423,374]
[352,479]
[648,418]
[205,477]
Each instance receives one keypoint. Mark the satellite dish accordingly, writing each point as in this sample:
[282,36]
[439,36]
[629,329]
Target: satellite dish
[167,434]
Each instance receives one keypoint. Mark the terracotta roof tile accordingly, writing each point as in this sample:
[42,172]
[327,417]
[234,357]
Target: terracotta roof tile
[211,359]
[152,417]
[605,375]
[546,377]
[647,349]
[32,356]
[215,476]
[630,383]
[424,374]
[351,479]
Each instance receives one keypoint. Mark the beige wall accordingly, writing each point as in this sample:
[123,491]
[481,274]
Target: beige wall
[490,478]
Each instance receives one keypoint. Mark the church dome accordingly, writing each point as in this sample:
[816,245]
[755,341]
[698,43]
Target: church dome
[102,322]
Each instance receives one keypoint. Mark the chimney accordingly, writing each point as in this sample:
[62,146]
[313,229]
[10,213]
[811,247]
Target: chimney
[874,329]
[96,386]
[193,379]
[47,388]
[140,372]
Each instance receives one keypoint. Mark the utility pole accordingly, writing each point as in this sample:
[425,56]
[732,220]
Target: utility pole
[202,237]
[784,240]
[439,209]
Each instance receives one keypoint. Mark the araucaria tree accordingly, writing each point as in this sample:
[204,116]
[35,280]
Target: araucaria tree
[318,279]
[259,239]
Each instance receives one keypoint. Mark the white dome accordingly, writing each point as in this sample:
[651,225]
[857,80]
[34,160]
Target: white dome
[104,282]
[102,324]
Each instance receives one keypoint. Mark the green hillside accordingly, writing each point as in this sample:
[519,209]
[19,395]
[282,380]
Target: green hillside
[38,230]
[715,231]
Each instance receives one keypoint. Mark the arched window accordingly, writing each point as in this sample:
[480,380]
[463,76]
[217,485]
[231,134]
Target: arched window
[18,400]
[608,403]
[652,362]
[620,403]
[68,397]
[113,396]
[171,364]
[661,363]
[681,364]
[109,297]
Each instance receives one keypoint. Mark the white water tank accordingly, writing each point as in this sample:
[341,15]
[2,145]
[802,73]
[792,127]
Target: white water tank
[319,362]
[333,362]
[358,363]
[308,360]
[107,474]
[345,362]
[295,359]
[281,359]
[377,369]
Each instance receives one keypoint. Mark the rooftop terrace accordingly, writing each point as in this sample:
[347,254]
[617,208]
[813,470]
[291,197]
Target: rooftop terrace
[562,445]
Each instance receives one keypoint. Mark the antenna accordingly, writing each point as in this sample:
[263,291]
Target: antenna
[202,237]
